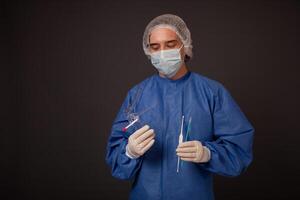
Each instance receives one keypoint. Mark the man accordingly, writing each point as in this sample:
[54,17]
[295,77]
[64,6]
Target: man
[180,127]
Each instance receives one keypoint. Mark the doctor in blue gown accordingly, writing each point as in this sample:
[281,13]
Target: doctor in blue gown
[216,135]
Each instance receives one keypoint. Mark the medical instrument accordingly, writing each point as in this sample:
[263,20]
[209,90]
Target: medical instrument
[188,132]
[132,123]
[135,117]
[188,129]
[180,139]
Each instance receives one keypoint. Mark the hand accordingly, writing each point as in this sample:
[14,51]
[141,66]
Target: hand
[140,142]
[193,151]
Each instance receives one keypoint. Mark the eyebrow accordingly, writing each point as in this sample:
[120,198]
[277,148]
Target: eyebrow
[151,44]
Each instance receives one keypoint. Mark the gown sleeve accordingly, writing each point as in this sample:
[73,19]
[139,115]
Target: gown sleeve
[122,167]
[231,148]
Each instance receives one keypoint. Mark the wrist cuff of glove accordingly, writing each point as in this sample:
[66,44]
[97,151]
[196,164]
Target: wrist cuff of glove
[129,154]
[206,154]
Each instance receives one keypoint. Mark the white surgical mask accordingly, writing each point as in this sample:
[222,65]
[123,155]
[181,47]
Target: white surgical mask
[167,62]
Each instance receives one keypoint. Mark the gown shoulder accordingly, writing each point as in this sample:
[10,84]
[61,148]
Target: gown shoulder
[212,85]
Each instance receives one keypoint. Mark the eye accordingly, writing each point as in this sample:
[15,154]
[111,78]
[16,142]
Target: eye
[171,44]
[154,47]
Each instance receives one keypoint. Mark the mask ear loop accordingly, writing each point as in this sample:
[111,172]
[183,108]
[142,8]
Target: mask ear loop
[179,49]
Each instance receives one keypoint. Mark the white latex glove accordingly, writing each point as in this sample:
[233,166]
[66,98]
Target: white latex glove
[140,142]
[193,151]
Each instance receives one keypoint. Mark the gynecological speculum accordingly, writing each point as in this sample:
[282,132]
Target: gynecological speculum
[136,119]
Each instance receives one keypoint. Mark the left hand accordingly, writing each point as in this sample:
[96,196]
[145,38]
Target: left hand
[193,151]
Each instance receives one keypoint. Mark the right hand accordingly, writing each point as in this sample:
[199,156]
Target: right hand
[140,142]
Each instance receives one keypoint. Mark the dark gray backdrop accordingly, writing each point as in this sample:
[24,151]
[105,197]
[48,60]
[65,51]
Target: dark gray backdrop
[69,65]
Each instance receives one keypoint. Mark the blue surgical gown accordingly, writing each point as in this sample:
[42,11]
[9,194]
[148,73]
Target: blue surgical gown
[217,122]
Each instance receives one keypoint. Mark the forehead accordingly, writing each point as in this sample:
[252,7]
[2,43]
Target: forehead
[159,35]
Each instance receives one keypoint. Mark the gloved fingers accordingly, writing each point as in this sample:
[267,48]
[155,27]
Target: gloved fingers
[187,155]
[144,136]
[186,149]
[199,150]
[131,141]
[199,153]
[187,144]
[140,131]
[188,159]
[148,146]
[145,142]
